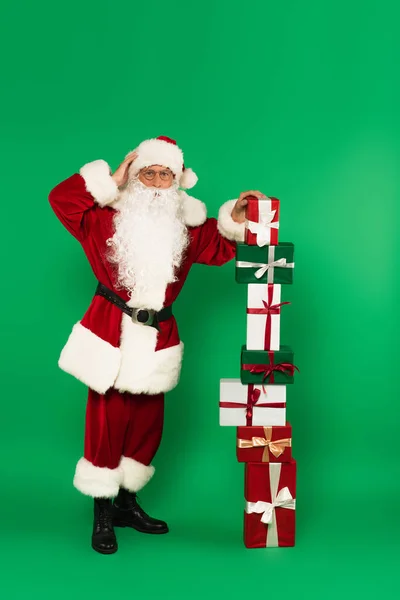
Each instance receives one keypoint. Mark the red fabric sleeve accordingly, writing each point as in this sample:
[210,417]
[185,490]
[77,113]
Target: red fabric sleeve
[70,200]
[212,248]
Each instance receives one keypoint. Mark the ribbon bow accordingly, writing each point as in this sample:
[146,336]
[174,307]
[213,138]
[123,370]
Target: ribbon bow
[268,266]
[264,267]
[268,370]
[252,398]
[283,499]
[281,262]
[276,447]
[269,309]
[261,228]
[253,395]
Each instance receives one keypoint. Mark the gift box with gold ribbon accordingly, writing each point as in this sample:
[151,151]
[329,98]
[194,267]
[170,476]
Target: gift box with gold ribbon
[270,502]
[264,444]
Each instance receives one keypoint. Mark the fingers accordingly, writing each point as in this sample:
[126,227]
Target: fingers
[256,193]
[124,166]
[130,157]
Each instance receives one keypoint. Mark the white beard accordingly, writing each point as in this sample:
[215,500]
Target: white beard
[149,242]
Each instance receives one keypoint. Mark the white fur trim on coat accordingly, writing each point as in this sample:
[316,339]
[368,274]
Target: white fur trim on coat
[135,475]
[97,482]
[90,359]
[194,211]
[227,226]
[99,182]
[143,370]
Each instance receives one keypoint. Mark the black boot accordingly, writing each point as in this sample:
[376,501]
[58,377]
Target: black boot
[128,513]
[103,538]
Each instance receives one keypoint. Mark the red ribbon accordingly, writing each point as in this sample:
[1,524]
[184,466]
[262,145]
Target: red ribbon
[269,309]
[253,396]
[268,370]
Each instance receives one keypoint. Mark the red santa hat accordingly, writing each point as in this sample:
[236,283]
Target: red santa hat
[164,151]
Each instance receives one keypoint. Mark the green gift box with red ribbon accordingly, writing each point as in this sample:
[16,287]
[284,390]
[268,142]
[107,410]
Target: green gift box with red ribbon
[267,366]
[268,264]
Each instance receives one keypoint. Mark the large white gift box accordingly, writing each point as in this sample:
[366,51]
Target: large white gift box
[241,404]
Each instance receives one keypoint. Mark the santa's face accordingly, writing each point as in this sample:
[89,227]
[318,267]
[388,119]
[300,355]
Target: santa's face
[156,176]
[149,240]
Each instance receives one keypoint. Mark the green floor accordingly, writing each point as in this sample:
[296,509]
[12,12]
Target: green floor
[347,543]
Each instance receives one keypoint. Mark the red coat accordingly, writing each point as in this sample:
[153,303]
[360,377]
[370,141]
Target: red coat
[105,348]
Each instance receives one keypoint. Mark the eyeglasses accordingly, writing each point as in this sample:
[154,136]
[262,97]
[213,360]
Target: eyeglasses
[150,175]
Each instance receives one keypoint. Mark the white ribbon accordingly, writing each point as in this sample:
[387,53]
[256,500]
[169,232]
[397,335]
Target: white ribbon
[264,267]
[283,499]
[262,228]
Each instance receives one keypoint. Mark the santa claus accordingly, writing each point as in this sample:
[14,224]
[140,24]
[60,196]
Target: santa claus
[141,233]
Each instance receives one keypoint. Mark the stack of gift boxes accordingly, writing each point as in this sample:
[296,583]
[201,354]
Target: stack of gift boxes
[256,403]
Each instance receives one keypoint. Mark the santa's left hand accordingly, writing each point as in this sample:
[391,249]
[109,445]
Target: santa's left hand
[239,210]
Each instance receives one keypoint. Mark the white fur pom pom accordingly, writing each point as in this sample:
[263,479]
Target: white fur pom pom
[188,179]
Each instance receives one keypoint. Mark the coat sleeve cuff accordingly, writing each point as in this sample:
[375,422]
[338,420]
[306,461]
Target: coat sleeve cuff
[99,183]
[227,226]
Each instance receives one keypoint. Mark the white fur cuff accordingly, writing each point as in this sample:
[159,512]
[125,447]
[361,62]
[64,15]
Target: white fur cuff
[227,226]
[97,482]
[135,475]
[99,182]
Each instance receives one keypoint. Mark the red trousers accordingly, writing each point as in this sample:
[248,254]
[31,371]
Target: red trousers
[122,435]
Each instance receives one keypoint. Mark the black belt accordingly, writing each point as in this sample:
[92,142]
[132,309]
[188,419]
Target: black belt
[143,316]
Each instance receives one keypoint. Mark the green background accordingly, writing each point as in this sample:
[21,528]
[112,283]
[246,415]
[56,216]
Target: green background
[300,100]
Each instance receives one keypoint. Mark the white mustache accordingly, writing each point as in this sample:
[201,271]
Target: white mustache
[150,237]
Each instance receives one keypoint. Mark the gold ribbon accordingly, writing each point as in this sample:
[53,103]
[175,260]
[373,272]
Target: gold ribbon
[276,447]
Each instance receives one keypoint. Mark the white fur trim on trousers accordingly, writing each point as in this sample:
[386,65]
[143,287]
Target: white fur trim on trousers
[101,482]
[97,482]
[135,475]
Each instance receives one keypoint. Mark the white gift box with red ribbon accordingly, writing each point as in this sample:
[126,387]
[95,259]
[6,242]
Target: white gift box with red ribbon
[251,404]
[263,316]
